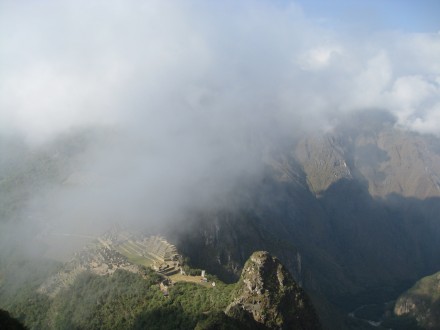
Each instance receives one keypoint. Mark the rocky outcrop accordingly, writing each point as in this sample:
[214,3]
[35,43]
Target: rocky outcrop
[267,293]
[422,302]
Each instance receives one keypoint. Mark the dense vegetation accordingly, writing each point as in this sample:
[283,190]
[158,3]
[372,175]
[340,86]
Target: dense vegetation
[123,300]
[422,302]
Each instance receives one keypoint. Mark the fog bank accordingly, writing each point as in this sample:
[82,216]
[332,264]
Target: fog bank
[191,94]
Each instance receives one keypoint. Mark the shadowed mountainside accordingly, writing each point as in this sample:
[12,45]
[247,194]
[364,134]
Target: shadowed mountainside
[352,213]
[9,323]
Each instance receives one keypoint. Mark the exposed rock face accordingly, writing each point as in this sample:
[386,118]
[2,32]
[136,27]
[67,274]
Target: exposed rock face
[323,160]
[388,160]
[268,294]
[422,302]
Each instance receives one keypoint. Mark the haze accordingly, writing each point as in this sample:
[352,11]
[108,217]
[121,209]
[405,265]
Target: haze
[187,91]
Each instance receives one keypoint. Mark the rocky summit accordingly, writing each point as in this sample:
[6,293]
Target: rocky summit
[268,294]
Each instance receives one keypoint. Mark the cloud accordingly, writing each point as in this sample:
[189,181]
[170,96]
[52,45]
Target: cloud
[195,89]
[320,57]
[417,100]
[116,62]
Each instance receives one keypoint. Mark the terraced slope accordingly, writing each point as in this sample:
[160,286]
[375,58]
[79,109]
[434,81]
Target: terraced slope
[150,251]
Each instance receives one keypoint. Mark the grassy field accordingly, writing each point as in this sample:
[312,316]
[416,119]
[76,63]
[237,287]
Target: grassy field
[192,279]
[134,257]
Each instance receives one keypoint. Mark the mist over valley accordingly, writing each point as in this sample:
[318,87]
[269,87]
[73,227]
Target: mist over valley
[250,165]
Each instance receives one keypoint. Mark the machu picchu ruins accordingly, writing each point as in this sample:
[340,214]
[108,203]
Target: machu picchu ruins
[150,251]
[117,249]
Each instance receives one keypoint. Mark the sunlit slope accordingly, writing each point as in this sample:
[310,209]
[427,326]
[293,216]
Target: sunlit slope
[371,149]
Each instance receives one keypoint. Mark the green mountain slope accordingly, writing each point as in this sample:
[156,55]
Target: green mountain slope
[126,300]
[422,302]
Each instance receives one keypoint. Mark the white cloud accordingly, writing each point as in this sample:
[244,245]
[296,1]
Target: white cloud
[415,102]
[75,63]
[319,57]
[195,87]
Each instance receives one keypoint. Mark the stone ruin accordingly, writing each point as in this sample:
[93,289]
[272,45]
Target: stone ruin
[113,251]
[152,251]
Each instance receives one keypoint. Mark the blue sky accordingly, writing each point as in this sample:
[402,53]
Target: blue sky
[402,15]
